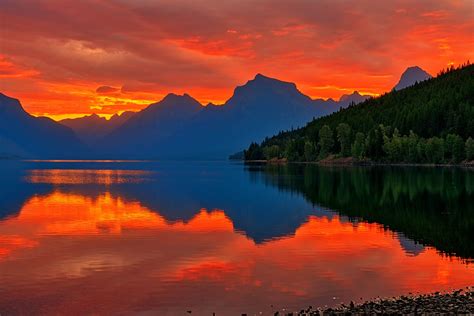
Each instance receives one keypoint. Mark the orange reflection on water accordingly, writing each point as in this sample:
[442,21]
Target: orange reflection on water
[112,255]
[12,242]
[84,176]
[84,160]
[70,214]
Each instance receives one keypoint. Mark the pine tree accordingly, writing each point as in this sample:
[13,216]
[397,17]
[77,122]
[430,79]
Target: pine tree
[344,138]
[309,151]
[454,147]
[358,148]
[470,149]
[326,141]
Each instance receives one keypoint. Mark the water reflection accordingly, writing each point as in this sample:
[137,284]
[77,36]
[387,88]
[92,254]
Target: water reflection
[85,176]
[431,206]
[112,247]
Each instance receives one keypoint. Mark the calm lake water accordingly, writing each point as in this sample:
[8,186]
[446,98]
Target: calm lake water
[220,237]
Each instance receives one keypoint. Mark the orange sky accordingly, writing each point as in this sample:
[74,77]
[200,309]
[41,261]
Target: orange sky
[69,58]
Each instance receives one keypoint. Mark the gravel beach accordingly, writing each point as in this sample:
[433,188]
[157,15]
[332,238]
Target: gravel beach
[456,302]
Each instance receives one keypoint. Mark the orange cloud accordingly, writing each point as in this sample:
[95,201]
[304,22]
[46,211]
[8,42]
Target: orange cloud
[9,70]
[138,46]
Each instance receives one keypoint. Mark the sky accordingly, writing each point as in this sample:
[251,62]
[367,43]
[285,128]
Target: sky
[66,58]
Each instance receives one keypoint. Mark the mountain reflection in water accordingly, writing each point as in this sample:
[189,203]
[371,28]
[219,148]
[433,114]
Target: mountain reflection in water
[206,237]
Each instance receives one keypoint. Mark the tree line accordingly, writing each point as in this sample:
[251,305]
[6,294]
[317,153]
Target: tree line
[430,122]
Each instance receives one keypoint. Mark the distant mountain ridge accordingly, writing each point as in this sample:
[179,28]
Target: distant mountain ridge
[140,135]
[179,126]
[92,127]
[411,76]
[353,98]
[23,135]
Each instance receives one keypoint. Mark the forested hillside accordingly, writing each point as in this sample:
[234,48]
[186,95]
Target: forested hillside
[430,122]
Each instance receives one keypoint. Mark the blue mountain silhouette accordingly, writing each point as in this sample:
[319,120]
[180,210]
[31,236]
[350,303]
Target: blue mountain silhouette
[180,127]
[411,76]
[23,135]
[91,128]
[177,127]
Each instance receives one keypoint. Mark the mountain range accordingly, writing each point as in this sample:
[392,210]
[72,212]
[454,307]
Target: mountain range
[23,135]
[92,127]
[178,126]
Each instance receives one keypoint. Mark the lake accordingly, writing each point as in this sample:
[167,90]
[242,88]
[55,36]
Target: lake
[129,237]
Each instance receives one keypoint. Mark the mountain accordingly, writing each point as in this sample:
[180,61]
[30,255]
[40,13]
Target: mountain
[430,122]
[411,76]
[354,98]
[24,135]
[142,134]
[180,127]
[117,120]
[91,128]
[8,149]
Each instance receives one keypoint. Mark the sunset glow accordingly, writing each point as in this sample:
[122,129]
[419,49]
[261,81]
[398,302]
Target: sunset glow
[72,58]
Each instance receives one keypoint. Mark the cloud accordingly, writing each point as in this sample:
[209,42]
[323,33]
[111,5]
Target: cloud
[106,90]
[206,47]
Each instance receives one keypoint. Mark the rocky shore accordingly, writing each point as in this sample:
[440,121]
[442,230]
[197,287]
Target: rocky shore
[459,302]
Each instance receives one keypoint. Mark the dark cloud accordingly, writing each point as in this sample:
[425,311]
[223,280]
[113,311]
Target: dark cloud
[106,90]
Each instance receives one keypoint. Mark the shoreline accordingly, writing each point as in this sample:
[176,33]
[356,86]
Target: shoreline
[457,302]
[343,162]
[332,162]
